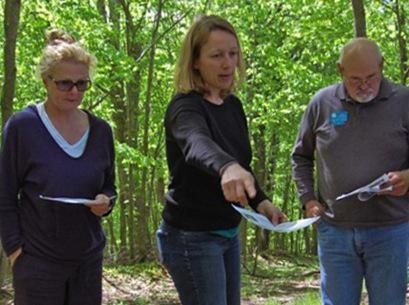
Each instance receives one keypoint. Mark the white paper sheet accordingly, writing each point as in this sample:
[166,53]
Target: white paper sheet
[368,191]
[71,200]
[285,227]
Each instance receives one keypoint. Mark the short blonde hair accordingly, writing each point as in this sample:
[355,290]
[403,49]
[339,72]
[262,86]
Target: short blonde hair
[61,46]
[187,78]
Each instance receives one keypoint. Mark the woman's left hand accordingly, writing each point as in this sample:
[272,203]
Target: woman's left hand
[273,213]
[100,205]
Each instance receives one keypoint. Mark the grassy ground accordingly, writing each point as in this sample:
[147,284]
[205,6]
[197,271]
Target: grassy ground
[278,280]
[282,280]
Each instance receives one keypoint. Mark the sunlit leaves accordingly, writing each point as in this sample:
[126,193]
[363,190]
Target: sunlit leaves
[290,49]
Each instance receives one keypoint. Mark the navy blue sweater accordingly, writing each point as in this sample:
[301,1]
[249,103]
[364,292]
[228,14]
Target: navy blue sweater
[201,138]
[32,163]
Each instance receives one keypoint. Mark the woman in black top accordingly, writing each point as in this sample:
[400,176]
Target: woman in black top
[209,155]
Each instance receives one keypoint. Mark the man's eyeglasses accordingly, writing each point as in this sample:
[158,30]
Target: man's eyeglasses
[356,81]
[67,85]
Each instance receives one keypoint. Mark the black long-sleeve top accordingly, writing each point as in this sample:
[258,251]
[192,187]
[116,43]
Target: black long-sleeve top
[201,138]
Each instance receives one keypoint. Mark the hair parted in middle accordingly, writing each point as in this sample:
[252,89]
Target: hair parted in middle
[187,78]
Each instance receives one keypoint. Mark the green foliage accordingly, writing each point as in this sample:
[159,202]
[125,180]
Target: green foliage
[290,49]
[150,269]
[311,298]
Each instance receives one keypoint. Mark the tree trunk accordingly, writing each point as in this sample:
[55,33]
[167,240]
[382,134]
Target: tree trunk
[102,9]
[160,197]
[117,95]
[11,22]
[157,187]
[260,174]
[400,24]
[359,18]
[133,50]
[143,206]
[4,268]
[280,240]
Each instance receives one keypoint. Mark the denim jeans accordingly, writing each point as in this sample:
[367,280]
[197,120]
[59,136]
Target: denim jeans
[377,254]
[204,267]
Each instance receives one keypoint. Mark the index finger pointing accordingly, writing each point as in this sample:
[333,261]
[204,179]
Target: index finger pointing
[250,188]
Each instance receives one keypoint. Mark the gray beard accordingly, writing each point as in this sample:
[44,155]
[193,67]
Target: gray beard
[365,99]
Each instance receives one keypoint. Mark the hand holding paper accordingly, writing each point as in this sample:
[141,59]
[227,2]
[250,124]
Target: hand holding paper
[368,191]
[100,205]
[272,213]
[400,182]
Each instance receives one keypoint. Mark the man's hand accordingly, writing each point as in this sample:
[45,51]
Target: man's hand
[399,180]
[313,208]
[236,182]
[271,212]
[100,205]
[13,256]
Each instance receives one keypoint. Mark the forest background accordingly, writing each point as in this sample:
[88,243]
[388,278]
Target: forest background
[290,49]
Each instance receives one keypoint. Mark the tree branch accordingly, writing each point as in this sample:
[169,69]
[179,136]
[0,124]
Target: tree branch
[162,35]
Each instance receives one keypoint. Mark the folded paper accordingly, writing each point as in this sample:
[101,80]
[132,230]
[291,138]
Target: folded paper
[71,200]
[263,222]
[368,191]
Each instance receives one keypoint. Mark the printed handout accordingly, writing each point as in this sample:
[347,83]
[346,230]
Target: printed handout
[71,200]
[368,191]
[263,222]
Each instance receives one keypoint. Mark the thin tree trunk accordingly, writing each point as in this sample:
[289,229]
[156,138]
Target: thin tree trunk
[243,240]
[260,174]
[117,95]
[156,186]
[134,51]
[400,28]
[359,18]
[132,111]
[280,243]
[143,206]
[101,6]
[4,268]
[113,245]
[11,22]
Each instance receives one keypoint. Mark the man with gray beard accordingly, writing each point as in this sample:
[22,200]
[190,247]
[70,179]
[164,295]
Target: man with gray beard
[356,131]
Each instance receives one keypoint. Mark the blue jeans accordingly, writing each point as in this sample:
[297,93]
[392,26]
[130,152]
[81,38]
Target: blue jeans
[204,267]
[377,254]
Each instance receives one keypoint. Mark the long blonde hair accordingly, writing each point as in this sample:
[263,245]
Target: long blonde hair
[187,78]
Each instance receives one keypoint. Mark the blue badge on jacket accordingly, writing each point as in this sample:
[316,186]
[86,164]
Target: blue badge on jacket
[339,118]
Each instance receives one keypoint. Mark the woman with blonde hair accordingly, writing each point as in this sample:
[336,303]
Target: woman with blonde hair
[56,182]
[209,155]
